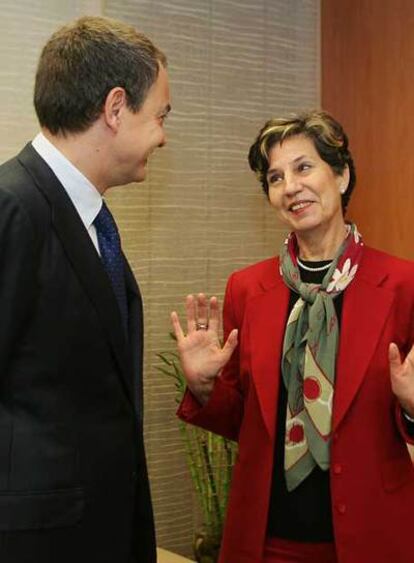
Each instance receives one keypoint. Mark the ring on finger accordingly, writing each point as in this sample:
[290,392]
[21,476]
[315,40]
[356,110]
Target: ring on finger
[201,326]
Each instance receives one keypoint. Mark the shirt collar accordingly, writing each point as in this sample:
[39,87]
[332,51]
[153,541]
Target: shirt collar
[85,197]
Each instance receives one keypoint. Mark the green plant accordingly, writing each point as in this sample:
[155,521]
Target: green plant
[210,460]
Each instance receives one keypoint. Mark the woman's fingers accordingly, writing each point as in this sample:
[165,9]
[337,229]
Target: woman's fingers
[190,309]
[394,359]
[214,320]
[230,344]
[398,368]
[202,311]
[409,360]
[178,331]
[402,377]
[201,314]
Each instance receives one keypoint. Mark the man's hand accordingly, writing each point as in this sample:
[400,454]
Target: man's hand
[402,378]
[202,357]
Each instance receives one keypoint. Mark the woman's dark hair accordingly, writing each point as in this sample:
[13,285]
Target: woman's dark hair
[321,128]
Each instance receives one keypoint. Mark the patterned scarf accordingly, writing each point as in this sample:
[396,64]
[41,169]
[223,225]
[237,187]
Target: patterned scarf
[309,355]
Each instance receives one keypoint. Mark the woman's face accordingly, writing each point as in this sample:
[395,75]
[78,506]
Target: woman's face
[304,189]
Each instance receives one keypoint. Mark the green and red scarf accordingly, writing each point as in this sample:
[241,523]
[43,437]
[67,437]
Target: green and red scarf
[309,356]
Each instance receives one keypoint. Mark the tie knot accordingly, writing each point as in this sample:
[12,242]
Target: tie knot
[105,223]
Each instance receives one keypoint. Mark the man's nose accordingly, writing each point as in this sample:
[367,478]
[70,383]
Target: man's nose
[163,140]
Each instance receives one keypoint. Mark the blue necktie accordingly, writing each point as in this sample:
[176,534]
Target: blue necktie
[110,248]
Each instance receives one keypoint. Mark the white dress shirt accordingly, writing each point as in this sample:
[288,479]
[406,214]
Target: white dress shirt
[83,194]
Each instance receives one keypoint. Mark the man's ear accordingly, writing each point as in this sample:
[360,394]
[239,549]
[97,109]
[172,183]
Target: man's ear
[114,104]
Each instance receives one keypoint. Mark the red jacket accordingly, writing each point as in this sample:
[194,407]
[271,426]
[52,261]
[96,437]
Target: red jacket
[372,477]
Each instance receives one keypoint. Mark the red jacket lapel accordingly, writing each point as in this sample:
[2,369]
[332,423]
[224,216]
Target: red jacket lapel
[365,310]
[267,319]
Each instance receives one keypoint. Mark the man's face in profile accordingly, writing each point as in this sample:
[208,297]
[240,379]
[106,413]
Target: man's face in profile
[140,133]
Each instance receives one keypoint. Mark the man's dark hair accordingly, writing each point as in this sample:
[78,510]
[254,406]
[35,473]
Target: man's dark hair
[82,62]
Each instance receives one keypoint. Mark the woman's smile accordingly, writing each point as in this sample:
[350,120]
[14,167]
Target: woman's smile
[300,207]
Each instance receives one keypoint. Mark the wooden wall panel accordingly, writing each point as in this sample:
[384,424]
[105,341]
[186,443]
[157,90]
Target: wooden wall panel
[367,83]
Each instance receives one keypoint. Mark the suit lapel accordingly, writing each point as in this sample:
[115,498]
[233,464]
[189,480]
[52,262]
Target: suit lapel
[136,336]
[267,320]
[82,255]
[366,307]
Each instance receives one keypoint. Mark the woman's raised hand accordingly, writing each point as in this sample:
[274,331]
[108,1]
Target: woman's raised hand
[402,378]
[201,354]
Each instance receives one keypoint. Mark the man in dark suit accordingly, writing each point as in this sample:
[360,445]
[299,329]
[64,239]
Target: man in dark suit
[73,478]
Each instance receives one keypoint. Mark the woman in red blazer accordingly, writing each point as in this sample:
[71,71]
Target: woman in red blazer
[316,377]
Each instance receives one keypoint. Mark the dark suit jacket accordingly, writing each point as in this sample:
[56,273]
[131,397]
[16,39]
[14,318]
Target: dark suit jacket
[73,478]
[371,474]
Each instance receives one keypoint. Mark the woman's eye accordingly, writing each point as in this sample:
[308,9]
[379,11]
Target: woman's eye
[274,178]
[303,166]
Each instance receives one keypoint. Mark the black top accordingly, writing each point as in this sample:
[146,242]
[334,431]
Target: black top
[304,514]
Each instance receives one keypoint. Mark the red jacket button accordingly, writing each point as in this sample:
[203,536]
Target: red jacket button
[337,469]
[341,508]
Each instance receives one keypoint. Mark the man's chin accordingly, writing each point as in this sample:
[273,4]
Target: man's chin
[140,179]
[141,174]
